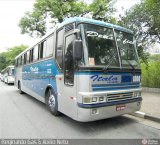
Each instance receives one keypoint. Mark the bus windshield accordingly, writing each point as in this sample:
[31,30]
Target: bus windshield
[103,46]
[126,46]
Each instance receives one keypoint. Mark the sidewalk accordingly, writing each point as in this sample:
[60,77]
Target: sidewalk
[150,108]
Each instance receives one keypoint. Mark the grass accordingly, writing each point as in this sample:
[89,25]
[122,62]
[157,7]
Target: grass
[151,75]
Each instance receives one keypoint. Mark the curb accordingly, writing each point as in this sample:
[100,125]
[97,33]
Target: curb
[146,116]
[151,90]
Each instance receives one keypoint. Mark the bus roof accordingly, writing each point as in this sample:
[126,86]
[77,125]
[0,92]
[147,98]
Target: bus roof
[78,20]
[92,21]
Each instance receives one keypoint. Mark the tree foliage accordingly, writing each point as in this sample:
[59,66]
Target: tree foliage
[8,57]
[35,22]
[103,10]
[3,61]
[144,20]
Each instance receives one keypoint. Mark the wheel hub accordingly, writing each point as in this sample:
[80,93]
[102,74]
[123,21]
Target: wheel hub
[51,101]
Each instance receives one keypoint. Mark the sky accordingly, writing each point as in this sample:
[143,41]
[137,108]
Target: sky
[11,11]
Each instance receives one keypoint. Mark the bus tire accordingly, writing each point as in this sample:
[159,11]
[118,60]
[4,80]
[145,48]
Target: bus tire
[52,103]
[19,88]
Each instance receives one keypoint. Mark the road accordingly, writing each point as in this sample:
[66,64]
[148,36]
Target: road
[22,116]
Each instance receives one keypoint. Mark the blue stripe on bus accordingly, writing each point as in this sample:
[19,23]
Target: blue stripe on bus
[115,88]
[108,73]
[108,85]
[109,103]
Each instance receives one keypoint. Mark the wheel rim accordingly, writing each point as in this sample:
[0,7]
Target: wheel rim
[51,100]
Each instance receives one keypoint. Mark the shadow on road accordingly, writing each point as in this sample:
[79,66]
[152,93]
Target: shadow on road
[85,127]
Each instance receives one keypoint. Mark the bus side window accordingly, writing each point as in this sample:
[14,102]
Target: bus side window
[40,49]
[49,50]
[35,53]
[28,57]
[25,58]
[59,48]
[44,48]
[31,55]
[21,59]
[16,62]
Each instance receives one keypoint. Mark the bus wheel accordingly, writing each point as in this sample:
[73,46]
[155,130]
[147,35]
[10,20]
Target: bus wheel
[19,87]
[52,103]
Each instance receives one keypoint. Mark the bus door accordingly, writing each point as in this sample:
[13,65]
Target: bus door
[67,102]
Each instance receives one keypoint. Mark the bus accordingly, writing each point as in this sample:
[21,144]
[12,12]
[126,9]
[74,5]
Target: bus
[8,75]
[86,69]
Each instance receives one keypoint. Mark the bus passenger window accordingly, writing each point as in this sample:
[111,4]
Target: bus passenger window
[28,57]
[49,50]
[35,53]
[21,60]
[69,65]
[31,55]
[44,48]
[40,48]
[16,63]
[59,50]
[25,58]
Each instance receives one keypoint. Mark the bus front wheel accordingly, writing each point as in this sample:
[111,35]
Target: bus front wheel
[52,103]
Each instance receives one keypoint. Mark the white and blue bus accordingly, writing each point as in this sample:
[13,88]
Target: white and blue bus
[86,69]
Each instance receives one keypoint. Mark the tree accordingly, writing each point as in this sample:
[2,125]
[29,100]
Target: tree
[54,10]
[103,10]
[144,20]
[8,58]
[35,22]
[3,61]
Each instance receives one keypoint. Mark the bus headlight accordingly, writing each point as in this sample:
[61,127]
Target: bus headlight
[86,100]
[94,99]
[89,99]
[101,99]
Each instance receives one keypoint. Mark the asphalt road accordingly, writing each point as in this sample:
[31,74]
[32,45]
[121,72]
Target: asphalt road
[22,116]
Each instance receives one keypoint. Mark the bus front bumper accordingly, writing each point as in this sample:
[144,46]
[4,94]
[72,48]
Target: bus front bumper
[102,111]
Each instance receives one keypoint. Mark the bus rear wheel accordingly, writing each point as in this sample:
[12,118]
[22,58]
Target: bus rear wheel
[52,103]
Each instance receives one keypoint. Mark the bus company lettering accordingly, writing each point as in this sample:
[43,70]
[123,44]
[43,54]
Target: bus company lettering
[108,78]
[34,69]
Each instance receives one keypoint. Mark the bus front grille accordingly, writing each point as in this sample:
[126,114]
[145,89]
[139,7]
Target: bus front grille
[119,96]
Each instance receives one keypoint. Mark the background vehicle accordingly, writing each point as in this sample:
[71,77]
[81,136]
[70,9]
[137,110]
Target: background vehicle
[86,69]
[8,75]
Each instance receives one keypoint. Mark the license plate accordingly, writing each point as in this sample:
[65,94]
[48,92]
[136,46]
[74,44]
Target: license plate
[120,107]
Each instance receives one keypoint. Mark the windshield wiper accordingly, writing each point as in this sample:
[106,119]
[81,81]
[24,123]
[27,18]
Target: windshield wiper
[131,65]
[111,60]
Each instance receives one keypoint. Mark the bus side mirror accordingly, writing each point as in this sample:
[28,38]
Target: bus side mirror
[77,50]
